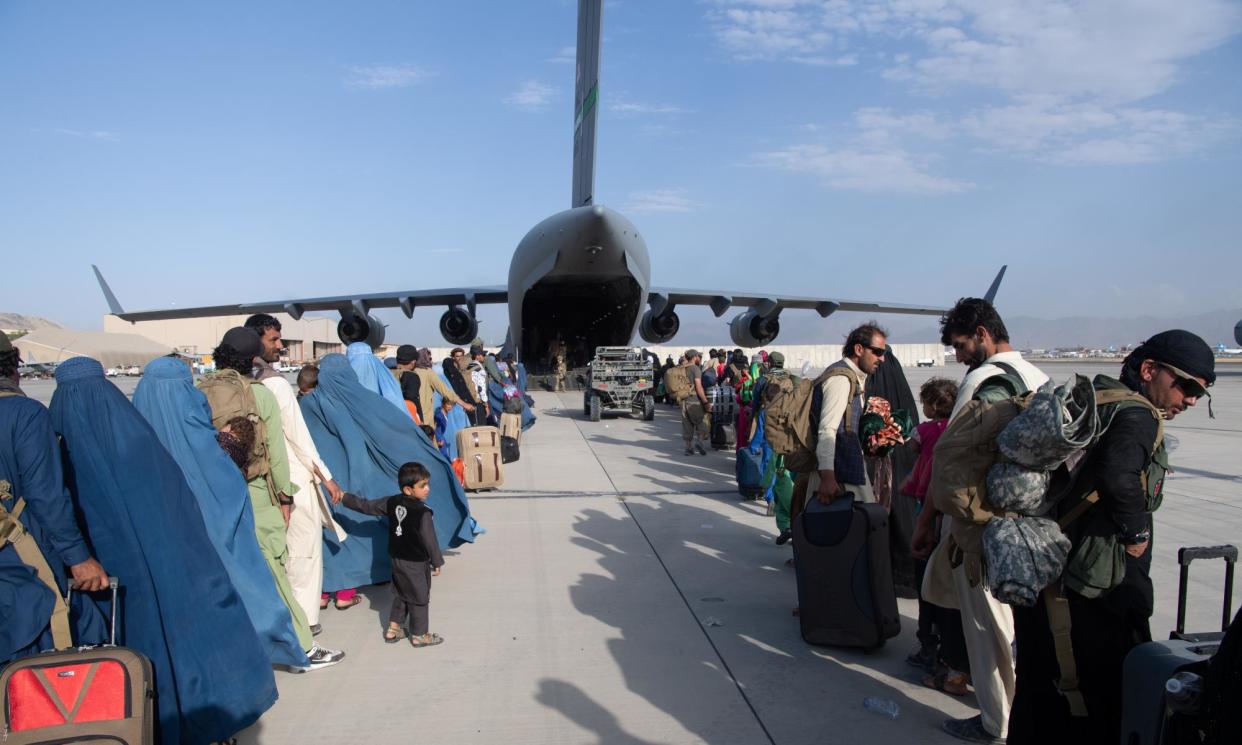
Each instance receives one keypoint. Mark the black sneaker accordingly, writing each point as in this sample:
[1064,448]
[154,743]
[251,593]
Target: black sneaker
[689,451]
[784,537]
[321,657]
[699,449]
[971,730]
[924,657]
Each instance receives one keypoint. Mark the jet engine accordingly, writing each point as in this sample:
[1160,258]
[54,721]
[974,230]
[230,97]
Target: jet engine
[659,329]
[352,328]
[458,327]
[1237,333]
[749,329]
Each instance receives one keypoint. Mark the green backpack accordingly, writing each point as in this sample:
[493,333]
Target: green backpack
[791,416]
[229,395]
[677,383]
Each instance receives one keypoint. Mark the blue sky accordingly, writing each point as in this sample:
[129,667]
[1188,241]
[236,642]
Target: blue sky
[891,149]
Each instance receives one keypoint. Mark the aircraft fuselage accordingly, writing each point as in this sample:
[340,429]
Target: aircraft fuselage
[580,276]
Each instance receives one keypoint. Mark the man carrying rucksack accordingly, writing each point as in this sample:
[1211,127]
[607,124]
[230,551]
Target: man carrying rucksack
[232,394]
[685,385]
[309,515]
[996,371]
[1106,595]
[838,449]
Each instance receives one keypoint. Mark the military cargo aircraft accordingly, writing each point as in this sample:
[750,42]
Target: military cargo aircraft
[581,276]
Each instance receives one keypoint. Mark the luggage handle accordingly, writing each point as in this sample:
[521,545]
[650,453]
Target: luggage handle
[1185,556]
[113,584]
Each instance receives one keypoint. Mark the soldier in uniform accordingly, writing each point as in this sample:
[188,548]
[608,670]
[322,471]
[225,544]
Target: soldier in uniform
[562,366]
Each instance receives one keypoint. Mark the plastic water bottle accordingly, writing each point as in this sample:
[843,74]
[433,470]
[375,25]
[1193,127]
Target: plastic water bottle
[882,706]
[1182,692]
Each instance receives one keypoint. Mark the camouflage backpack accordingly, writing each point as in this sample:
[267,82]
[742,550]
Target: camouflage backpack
[229,395]
[791,409]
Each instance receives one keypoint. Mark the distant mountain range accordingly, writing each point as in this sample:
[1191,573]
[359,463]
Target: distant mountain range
[19,322]
[1216,327]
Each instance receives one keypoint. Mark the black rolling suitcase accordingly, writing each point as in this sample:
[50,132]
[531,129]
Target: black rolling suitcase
[845,579]
[723,434]
[1146,715]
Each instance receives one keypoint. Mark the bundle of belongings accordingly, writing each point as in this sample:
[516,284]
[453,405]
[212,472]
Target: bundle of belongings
[1006,471]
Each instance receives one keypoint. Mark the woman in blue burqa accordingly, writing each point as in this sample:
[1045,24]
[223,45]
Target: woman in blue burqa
[178,606]
[365,440]
[456,419]
[375,376]
[515,377]
[181,417]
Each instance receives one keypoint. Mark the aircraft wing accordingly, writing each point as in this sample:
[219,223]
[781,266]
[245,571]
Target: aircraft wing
[359,304]
[662,298]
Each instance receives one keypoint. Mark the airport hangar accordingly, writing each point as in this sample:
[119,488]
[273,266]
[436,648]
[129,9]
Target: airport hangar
[307,339]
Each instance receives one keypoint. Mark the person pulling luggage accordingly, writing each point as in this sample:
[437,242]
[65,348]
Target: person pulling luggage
[839,450]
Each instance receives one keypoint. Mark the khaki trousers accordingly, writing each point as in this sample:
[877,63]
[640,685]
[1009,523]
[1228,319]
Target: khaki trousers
[304,563]
[987,625]
[694,422]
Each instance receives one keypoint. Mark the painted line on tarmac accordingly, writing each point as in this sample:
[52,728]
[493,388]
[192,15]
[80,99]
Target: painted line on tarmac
[590,494]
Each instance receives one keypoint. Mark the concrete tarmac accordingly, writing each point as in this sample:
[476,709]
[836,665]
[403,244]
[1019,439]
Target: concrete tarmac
[625,595]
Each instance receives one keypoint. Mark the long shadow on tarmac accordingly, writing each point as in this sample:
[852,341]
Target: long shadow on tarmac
[584,711]
[797,693]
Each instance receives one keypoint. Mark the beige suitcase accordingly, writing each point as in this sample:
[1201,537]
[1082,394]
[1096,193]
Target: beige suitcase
[511,426]
[479,450]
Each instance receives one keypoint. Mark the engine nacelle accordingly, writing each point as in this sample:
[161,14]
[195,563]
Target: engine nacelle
[458,327]
[1237,333]
[352,328]
[659,329]
[749,329]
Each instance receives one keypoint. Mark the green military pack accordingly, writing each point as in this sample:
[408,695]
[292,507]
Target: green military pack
[229,395]
[791,415]
[677,382]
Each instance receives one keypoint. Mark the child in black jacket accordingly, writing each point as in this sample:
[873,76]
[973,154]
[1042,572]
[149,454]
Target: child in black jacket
[414,551]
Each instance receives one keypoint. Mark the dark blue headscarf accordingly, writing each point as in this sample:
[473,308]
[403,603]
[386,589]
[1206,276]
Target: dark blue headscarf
[365,440]
[181,417]
[178,606]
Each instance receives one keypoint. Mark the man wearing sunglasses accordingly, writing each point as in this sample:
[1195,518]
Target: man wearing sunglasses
[1172,370]
[838,449]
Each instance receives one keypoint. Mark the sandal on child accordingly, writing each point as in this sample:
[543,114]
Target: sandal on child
[426,640]
[951,682]
[323,603]
[349,604]
[392,636]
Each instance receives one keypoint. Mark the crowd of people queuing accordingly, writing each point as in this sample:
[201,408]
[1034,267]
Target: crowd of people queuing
[283,501]
[967,637]
[288,500]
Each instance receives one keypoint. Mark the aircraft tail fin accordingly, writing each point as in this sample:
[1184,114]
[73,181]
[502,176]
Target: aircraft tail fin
[114,307]
[990,296]
[586,99]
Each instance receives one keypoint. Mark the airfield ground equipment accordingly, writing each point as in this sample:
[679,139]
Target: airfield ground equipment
[619,380]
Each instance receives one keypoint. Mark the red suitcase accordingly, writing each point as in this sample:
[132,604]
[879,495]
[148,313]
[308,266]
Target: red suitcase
[84,695]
